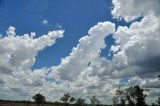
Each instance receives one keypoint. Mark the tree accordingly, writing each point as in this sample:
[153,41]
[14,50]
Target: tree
[80,101]
[153,104]
[120,98]
[39,99]
[158,100]
[72,99]
[95,101]
[139,96]
[130,96]
[115,100]
[67,99]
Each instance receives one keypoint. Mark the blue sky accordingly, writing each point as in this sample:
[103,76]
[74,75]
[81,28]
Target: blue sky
[75,17]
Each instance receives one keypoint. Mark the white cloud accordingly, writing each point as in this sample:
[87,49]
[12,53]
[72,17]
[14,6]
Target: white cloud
[132,9]
[87,50]
[45,22]
[17,56]
[19,52]
[58,26]
[115,48]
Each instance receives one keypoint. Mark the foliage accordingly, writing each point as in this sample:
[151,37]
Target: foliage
[159,76]
[80,101]
[158,101]
[95,101]
[131,96]
[67,99]
[115,100]
[38,98]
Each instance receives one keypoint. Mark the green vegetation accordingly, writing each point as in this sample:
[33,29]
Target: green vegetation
[39,99]
[67,99]
[80,101]
[95,101]
[132,96]
[157,102]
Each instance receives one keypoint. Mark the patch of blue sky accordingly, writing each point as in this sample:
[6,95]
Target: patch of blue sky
[124,80]
[109,40]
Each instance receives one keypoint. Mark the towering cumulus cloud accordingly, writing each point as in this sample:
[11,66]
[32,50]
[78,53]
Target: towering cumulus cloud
[136,58]
[88,48]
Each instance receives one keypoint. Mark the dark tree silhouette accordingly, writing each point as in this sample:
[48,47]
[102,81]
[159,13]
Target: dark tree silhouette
[67,99]
[80,102]
[95,101]
[39,99]
[133,96]
[115,100]
[120,98]
[139,96]
[158,100]
[72,99]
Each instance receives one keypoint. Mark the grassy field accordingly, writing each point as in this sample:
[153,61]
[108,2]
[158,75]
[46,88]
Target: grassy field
[32,104]
[25,104]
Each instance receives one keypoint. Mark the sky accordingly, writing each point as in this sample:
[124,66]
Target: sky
[84,47]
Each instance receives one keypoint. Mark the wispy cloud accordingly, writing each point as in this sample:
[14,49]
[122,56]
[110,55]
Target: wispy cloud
[45,22]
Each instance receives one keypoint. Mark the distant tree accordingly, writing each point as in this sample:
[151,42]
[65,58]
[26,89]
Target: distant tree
[132,96]
[120,98]
[95,101]
[158,100]
[115,100]
[67,99]
[80,101]
[57,103]
[139,96]
[39,99]
[153,104]
[72,99]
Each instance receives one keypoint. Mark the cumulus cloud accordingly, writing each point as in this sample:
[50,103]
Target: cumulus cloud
[17,56]
[139,47]
[130,10]
[87,49]
[19,52]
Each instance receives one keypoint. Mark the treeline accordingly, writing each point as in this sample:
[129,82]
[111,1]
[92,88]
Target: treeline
[132,96]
